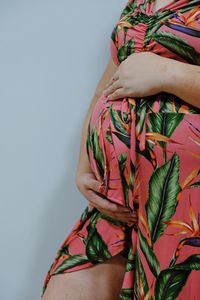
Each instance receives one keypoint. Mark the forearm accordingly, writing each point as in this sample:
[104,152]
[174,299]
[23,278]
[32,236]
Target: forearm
[183,80]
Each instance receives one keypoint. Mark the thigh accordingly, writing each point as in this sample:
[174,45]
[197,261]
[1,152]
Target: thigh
[106,276]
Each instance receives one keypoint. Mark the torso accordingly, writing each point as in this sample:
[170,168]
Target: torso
[171,30]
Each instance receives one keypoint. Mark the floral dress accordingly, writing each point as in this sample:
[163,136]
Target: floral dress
[145,151]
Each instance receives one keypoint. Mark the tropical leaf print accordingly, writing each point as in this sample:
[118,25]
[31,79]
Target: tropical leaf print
[97,152]
[143,147]
[191,263]
[130,265]
[69,262]
[155,23]
[112,220]
[97,249]
[162,200]
[126,50]
[122,160]
[148,154]
[193,229]
[121,128]
[194,185]
[171,281]
[191,241]
[177,45]
[86,214]
[185,22]
[140,119]
[132,175]
[126,294]
[164,123]
[170,103]
[91,227]
[149,254]
[184,29]
[145,152]
[88,142]
[117,120]
[129,7]
[142,290]
[109,136]
[63,251]
[189,183]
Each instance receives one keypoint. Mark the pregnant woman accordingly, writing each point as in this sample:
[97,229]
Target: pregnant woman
[139,166]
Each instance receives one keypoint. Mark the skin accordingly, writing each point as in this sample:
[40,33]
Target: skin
[133,77]
[101,282]
[146,73]
[85,180]
[108,275]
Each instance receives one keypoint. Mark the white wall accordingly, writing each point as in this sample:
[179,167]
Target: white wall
[52,54]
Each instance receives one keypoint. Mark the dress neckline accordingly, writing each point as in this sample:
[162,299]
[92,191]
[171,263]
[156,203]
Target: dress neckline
[153,3]
[172,4]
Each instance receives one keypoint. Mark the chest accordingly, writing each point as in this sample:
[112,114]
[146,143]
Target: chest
[165,27]
[158,4]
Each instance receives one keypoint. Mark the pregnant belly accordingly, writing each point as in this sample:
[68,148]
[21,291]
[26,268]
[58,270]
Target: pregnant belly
[108,148]
[120,130]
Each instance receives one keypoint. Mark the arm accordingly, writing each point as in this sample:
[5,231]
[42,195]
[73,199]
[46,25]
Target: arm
[183,80]
[83,163]
[146,73]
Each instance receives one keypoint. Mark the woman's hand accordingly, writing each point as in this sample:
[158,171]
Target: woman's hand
[89,187]
[140,74]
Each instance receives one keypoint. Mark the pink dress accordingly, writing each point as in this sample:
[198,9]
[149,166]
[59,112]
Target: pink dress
[146,153]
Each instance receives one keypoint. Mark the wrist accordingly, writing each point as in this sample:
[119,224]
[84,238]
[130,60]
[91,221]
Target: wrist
[173,75]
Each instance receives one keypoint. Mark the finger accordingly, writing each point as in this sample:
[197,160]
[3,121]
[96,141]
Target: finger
[123,218]
[114,86]
[119,93]
[116,75]
[103,203]
[131,224]
[95,196]
[113,78]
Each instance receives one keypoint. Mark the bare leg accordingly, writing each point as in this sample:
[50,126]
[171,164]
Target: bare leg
[101,281]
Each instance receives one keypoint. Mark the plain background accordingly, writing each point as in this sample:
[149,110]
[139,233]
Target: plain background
[52,54]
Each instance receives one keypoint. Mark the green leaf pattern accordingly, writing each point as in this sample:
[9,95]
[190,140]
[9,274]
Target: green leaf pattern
[146,153]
